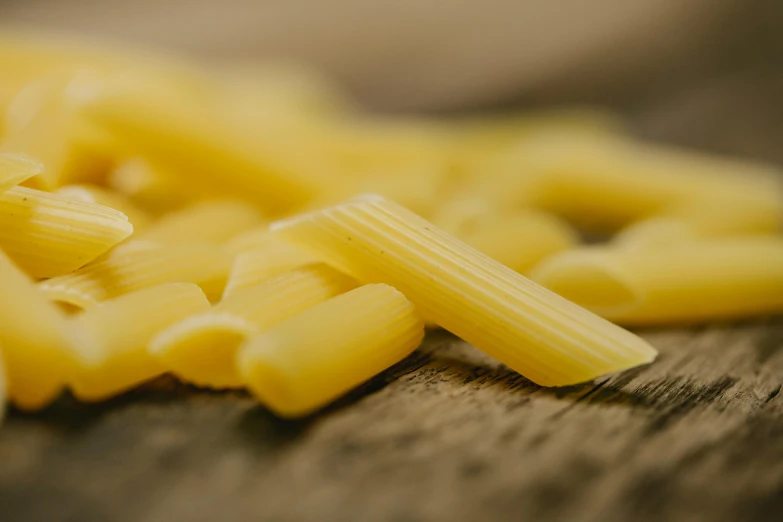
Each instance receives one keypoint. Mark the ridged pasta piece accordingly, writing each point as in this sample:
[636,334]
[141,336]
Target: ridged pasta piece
[48,235]
[256,238]
[139,218]
[15,169]
[121,330]
[318,355]
[517,239]
[41,123]
[184,134]
[685,283]
[131,268]
[202,348]
[547,339]
[39,348]
[203,222]
[607,181]
[256,266]
[703,220]
[156,188]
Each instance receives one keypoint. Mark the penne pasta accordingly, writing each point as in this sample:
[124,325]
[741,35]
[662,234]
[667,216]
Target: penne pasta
[121,329]
[180,132]
[606,181]
[535,332]
[49,235]
[15,169]
[40,123]
[517,239]
[685,283]
[256,266]
[256,238]
[202,348]
[38,346]
[156,189]
[139,218]
[203,222]
[139,266]
[703,220]
[318,355]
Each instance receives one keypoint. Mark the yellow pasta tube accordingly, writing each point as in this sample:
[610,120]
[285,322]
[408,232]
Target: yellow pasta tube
[178,131]
[39,348]
[256,238]
[535,332]
[203,222]
[517,239]
[202,348]
[256,266]
[48,234]
[108,198]
[157,189]
[15,169]
[684,283]
[41,124]
[606,181]
[129,269]
[121,330]
[318,355]
[703,220]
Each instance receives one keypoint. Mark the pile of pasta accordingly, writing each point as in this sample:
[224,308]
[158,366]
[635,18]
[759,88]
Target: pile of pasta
[249,226]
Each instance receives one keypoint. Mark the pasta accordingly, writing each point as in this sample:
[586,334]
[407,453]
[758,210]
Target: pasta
[606,181]
[204,222]
[121,330]
[684,283]
[517,239]
[202,348]
[38,346]
[48,235]
[16,169]
[703,220]
[41,123]
[130,269]
[314,357]
[256,266]
[535,332]
[108,198]
[173,130]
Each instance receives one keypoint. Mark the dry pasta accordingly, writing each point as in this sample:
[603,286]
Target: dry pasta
[48,235]
[684,283]
[607,181]
[703,220]
[203,222]
[130,269]
[256,266]
[202,348]
[518,239]
[139,218]
[39,348]
[173,130]
[314,357]
[537,333]
[15,169]
[121,330]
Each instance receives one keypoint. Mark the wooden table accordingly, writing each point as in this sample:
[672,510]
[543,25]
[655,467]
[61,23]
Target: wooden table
[449,435]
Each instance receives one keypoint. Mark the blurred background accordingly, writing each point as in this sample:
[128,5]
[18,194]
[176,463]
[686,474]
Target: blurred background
[669,64]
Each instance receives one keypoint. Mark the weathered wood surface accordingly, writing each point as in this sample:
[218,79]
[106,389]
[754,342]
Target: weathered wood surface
[448,435]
